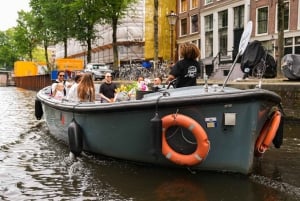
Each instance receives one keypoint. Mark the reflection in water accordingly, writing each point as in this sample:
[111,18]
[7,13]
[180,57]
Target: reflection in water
[36,166]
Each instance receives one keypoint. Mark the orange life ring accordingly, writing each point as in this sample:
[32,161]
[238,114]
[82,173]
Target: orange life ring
[267,133]
[199,133]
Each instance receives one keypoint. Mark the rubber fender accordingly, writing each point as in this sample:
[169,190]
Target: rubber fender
[156,125]
[38,109]
[278,139]
[75,138]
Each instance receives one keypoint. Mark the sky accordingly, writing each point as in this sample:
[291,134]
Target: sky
[9,12]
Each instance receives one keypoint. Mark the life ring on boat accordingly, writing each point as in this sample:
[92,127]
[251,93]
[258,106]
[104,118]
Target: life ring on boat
[75,138]
[38,109]
[199,133]
[267,133]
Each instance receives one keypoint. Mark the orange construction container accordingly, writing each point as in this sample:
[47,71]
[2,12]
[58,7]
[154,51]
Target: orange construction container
[69,64]
[25,68]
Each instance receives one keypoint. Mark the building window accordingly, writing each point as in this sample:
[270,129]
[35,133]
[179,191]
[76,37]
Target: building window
[288,41]
[262,20]
[183,27]
[297,45]
[183,6]
[288,45]
[286,15]
[194,24]
[208,1]
[194,4]
[223,19]
[297,40]
[208,35]
[239,17]
[208,23]
[223,23]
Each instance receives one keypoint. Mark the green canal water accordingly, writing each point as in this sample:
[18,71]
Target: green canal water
[35,166]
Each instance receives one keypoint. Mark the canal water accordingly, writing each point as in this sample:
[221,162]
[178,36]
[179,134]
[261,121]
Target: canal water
[35,166]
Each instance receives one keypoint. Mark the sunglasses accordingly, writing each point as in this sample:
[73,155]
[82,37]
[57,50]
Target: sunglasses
[61,75]
[108,76]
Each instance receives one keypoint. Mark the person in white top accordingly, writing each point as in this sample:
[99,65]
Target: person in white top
[73,95]
[58,92]
[84,91]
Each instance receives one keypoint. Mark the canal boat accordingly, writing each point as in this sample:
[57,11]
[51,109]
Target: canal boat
[204,127]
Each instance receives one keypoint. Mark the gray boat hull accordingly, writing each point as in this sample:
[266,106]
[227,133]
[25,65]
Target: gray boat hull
[232,120]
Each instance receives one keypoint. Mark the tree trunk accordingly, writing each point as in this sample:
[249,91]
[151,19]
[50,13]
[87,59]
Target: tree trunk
[280,43]
[46,54]
[66,47]
[115,46]
[89,45]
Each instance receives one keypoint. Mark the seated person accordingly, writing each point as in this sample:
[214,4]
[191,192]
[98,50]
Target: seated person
[107,89]
[61,79]
[157,84]
[72,95]
[142,84]
[84,91]
[58,92]
[86,88]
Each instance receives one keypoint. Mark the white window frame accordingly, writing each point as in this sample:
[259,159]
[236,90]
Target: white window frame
[266,20]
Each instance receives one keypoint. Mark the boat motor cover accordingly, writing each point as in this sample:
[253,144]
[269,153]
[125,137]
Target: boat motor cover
[271,67]
[290,66]
[252,55]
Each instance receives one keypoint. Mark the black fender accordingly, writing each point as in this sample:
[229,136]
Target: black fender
[278,139]
[156,125]
[75,138]
[38,109]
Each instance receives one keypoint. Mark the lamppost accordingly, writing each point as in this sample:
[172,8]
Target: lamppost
[172,18]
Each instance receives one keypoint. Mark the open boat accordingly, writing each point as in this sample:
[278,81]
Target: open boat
[204,127]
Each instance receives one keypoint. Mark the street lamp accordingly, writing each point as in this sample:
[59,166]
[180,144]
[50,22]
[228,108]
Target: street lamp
[172,18]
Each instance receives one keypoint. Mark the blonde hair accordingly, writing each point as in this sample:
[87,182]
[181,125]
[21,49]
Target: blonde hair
[86,88]
[189,51]
[58,86]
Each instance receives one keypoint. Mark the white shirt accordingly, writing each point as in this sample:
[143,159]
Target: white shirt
[59,95]
[73,95]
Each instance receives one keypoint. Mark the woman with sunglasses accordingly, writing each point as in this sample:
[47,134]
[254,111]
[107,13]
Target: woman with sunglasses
[60,79]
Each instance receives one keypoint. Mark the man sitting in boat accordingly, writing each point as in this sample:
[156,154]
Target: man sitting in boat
[107,89]
[186,70]
[157,84]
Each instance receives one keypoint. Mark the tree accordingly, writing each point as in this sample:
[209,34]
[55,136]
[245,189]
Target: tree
[114,11]
[24,32]
[88,14]
[57,18]
[44,34]
[8,51]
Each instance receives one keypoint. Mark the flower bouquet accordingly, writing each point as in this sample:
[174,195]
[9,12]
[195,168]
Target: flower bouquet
[126,92]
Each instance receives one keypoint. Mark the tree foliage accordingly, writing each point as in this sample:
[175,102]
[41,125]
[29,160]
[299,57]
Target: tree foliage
[57,21]
[8,51]
[114,11]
